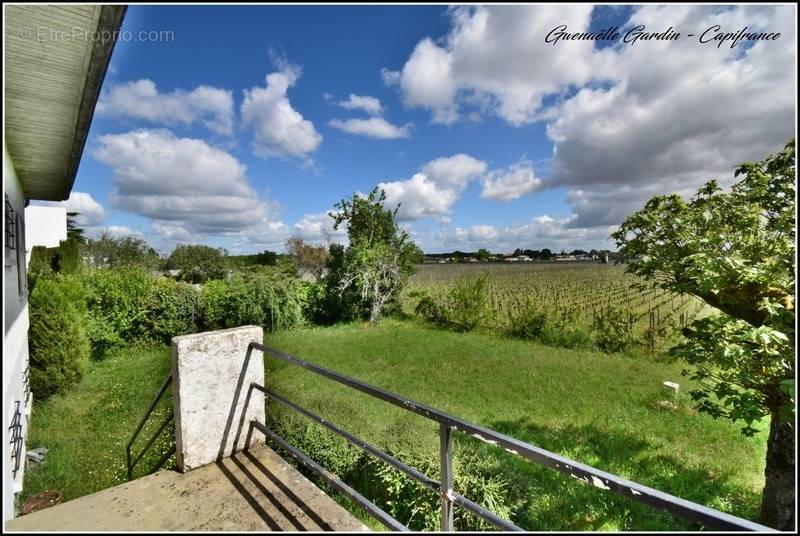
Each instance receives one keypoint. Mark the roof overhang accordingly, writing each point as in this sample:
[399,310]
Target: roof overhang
[56,57]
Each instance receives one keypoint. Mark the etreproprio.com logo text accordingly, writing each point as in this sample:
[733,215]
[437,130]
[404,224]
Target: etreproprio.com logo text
[43,34]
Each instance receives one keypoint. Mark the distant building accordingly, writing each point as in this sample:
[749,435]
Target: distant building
[519,258]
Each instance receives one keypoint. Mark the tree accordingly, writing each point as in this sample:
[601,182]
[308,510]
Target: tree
[73,231]
[415,254]
[307,258]
[547,254]
[197,263]
[379,258]
[68,258]
[115,252]
[266,258]
[483,254]
[736,251]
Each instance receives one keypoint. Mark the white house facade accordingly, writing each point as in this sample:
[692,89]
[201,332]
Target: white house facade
[50,92]
[17,398]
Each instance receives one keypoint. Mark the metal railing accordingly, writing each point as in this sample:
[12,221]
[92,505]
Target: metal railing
[170,418]
[688,510]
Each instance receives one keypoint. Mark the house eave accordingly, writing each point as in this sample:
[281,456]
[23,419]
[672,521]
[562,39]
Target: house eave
[52,88]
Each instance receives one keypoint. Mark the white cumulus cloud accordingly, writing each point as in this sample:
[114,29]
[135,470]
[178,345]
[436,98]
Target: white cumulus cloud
[432,191]
[540,232]
[365,103]
[141,99]
[318,228]
[187,187]
[90,212]
[675,114]
[496,56]
[278,129]
[511,183]
[121,231]
[626,121]
[373,127]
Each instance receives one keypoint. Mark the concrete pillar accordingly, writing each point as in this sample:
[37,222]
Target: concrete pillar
[211,377]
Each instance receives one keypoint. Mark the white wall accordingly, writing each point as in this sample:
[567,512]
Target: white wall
[15,347]
[44,226]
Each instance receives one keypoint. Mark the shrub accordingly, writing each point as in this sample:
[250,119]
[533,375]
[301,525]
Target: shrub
[534,323]
[41,263]
[429,309]
[103,338]
[572,336]
[329,450]
[334,305]
[314,309]
[268,297]
[68,259]
[129,305]
[64,259]
[172,308]
[654,337]
[116,300]
[477,478]
[613,329]
[531,322]
[214,298]
[462,309]
[467,304]
[58,340]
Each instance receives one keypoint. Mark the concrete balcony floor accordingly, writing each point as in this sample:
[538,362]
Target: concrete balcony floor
[250,491]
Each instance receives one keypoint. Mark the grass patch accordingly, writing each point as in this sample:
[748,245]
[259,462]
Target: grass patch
[603,410]
[599,409]
[86,429]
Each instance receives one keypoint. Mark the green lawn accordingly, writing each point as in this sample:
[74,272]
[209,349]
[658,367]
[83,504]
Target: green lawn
[87,429]
[599,409]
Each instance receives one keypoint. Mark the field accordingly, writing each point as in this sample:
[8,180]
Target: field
[600,409]
[574,293]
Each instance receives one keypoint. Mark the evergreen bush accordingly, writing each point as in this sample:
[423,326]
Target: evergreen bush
[58,340]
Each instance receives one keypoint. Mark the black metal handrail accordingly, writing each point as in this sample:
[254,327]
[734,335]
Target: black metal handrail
[138,430]
[713,519]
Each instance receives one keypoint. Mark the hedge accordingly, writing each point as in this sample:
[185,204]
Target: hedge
[58,340]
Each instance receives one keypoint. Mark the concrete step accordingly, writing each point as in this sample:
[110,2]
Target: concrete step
[256,490]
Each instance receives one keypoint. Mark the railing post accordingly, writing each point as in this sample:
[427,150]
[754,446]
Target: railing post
[446,456]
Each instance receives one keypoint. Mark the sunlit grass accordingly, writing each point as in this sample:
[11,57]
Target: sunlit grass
[603,410]
[86,430]
[599,409]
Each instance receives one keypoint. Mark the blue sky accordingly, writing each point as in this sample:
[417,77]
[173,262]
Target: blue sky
[487,135]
